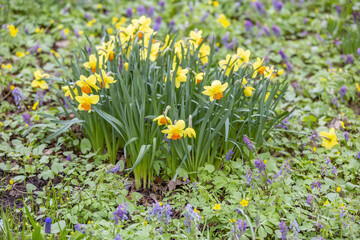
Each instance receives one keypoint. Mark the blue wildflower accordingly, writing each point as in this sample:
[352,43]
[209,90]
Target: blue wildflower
[48,225]
[248,142]
[18,96]
[229,154]
[120,213]
[284,230]
[190,217]
[239,228]
[260,165]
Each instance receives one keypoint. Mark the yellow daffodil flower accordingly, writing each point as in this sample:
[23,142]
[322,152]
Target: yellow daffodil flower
[248,91]
[162,120]
[223,21]
[67,91]
[228,64]
[13,30]
[329,139]
[189,132]
[91,64]
[215,91]
[256,66]
[269,72]
[199,77]
[244,203]
[243,56]
[204,53]
[87,83]
[175,131]
[180,76]
[104,80]
[85,101]
[217,207]
[196,37]
[37,82]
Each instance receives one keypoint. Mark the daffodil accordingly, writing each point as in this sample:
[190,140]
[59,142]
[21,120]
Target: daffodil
[228,64]
[162,120]
[196,37]
[104,80]
[86,83]
[85,101]
[269,72]
[215,91]
[244,203]
[199,77]
[329,139]
[204,53]
[256,66]
[91,64]
[175,131]
[107,49]
[38,82]
[248,91]
[67,91]
[181,76]
[189,132]
[243,56]
[13,30]
[217,207]
[223,21]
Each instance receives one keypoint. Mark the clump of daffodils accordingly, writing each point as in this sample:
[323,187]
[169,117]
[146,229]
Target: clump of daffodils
[120,90]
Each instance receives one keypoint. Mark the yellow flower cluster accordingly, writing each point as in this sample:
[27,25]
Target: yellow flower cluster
[38,82]
[175,131]
[13,30]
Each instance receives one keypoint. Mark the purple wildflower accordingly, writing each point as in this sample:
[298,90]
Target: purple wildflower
[194,184]
[342,212]
[65,11]
[318,226]
[39,97]
[27,118]
[334,170]
[141,10]
[190,217]
[267,30]
[18,96]
[278,5]
[229,154]
[118,237]
[249,176]
[237,5]
[116,168]
[318,36]
[328,161]
[48,225]
[191,7]
[233,43]
[150,11]
[284,230]
[80,227]
[88,49]
[316,184]
[349,59]
[162,212]
[88,16]
[342,92]
[120,213]
[248,142]
[157,24]
[338,9]
[309,199]
[248,25]
[172,24]
[161,4]
[276,30]
[282,54]
[259,7]
[225,39]
[129,12]
[204,17]
[76,32]
[346,136]
[358,155]
[68,157]
[62,34]
[334,101]
[295,227]
[260,165]
[239,228]
[358,51]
